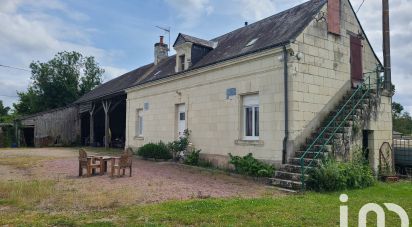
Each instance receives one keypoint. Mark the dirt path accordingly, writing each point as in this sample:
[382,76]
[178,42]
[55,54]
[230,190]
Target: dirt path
[150,181]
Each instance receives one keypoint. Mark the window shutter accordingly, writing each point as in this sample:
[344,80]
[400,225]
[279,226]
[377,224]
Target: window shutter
[356,58]
[334,16]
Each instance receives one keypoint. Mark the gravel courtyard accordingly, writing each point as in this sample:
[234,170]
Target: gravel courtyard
[151,182]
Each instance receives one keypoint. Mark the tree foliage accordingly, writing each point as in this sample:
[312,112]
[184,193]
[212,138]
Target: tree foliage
[59,82]
[402,120]
[4,112]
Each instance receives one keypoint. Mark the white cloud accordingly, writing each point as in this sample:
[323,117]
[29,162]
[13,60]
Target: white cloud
[401,42]
[255,10]
[190,11]
[34,34]
[113,72]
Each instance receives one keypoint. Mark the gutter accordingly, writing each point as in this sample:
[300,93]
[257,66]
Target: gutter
[286,100]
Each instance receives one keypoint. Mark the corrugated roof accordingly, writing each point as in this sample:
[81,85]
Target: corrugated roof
[269,32]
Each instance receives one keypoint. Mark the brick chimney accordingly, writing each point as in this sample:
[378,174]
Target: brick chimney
[160,51]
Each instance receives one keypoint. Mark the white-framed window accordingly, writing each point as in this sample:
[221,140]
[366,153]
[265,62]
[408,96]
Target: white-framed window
[250,110]
[139,122]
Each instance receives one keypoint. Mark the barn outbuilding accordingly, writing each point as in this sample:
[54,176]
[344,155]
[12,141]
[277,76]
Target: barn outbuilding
[57,127]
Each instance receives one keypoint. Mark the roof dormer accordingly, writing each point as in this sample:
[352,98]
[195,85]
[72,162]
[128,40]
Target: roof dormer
[190,50]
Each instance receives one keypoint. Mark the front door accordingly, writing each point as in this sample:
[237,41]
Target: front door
[356,60]
[181,119]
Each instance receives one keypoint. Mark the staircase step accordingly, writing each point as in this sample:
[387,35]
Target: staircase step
[289,175]
[294,185]
[299,154]
[291,168]
[326,135]
[306,161]
[317,147]
[336,123]
[338,130]
[345,111]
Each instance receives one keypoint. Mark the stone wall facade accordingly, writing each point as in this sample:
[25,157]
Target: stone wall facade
[213,118]
[322,75]
[319,72]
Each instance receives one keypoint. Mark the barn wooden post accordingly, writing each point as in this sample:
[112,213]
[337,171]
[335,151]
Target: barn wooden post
[91,112]
[106,107]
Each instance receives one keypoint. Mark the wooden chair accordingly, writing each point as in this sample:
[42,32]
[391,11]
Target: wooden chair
[89,162]
[129,151]
[122,162]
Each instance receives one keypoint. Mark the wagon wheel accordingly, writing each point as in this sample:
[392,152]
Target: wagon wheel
[386,159]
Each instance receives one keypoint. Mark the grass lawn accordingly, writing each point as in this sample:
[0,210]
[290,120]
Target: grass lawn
[17,207]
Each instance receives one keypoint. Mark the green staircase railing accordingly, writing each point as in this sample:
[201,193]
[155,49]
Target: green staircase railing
[357,97]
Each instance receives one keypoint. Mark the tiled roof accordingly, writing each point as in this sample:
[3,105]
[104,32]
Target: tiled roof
[195,40]
[268,33]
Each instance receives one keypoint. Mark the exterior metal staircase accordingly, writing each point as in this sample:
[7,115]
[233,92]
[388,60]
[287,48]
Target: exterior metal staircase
[334,129]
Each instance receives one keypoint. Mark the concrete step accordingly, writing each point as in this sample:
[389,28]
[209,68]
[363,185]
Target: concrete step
[317,147]
[293,185]
[289,175]
[338,119]
[307,161]
[291,168]
[336,123]
[311,154]
[326,135]
[332,129]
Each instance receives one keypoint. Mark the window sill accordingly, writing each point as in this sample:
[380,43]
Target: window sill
[243,142]
[138,138]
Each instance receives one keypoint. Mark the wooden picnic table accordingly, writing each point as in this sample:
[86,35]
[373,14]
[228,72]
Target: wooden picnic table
[103,162]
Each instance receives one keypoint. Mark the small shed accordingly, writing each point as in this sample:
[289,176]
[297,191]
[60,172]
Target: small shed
[54,127]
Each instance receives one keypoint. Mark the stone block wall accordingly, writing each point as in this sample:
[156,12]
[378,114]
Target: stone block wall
[323,75]
[214,119]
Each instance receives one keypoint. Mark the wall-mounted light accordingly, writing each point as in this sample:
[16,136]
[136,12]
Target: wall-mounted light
[299,56]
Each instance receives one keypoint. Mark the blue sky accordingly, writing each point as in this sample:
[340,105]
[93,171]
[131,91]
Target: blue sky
[121,34]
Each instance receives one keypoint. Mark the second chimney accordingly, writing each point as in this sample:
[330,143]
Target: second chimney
[160,51]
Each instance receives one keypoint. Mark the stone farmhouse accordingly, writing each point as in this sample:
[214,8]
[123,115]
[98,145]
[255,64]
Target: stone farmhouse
[291,88]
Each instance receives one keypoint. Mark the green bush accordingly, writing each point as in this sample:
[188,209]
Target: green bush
[337,176]
[7,137]
[250,166]
[192,158]
[180,144]
[155,151]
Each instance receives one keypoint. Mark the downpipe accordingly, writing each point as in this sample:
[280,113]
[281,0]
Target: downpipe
[286,100]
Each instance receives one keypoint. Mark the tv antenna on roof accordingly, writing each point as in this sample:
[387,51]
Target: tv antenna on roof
[166,30]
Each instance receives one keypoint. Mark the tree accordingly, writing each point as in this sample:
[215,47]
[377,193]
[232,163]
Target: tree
[397,109]
[4,111]
[5,115]
[59,82]
[402,121]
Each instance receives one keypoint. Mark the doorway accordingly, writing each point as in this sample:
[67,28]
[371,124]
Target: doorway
[367,143]
[356,60]
[28,137]
[181,120]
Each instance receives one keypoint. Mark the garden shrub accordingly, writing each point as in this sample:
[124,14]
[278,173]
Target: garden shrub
[250,166]
[155,151]
[192,158]
[7,137]
[337,176]
[179,145]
